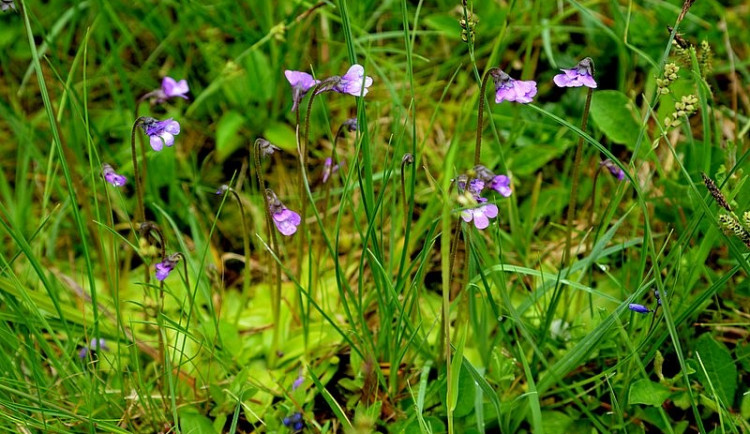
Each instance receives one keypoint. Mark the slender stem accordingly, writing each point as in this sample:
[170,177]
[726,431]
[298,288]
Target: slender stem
[574,187]
[303,146]
[140,211]
[480,117]
[245,243]
[407,160]
[593,203]
[276,295]
[276,312]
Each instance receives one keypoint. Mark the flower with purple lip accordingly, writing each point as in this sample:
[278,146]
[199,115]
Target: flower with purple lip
[172,88]
[354,82]
[499,183]
[479,211]
[481,214]
[509,89]
[639,308]
[113,177]
[298,381]
[580,75]
[94,345]
[301,83]
[329,169]
[160,133]
[286,220]
[613,168]
[166,266]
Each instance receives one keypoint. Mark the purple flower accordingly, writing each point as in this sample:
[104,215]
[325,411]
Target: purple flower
[94,345]
[481,215]
[476,186]
[112,177]
[329,169]
[7,4]
[501,184]
[166,266]
[172,88]
[639,308]
[354,82]
[508,89]
[301,83]
[286,220]
[613,168]
[580,75]
[160,133]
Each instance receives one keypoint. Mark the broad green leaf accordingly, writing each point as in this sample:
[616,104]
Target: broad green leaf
[193,422]
[556,422]
[261,82]
[745,407]
[647,392]
[719,367]
[227,137]
[612,112]
[281,135]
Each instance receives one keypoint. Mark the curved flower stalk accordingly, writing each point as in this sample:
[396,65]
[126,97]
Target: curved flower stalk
[355,83]
[245,238]
[160,133]
[581,75]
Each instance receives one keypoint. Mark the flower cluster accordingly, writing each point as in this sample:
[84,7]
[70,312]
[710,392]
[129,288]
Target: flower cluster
[470,195]
[670,75]
[685,107]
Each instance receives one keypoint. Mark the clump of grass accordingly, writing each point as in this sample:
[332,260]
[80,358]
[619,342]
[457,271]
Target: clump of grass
[421,285]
